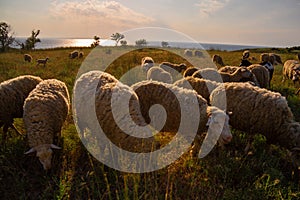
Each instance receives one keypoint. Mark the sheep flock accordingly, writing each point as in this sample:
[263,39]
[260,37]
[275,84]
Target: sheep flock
[230,97]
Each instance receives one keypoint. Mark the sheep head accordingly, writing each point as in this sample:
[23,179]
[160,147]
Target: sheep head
[44,153]
[219,120]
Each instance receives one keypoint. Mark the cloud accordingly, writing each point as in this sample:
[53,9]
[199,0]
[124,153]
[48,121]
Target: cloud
[100,12]
[208,7]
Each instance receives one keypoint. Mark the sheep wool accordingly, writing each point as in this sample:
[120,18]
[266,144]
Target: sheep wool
[291,70]
[258,110]
[159,74]
[45,110]
[261,74]
[13,93]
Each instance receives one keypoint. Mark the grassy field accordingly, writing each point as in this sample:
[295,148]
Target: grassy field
[265,172]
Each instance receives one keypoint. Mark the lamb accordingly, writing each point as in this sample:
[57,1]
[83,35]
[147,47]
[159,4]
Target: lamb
[147,63]
[27,57]
[291,70]
[181,107]
[188,52]
[74,54]
[13,93]
[158,74]
[167,66]
[261,74]
[190,71]
[94,91]
[202,86]
[45,110]
[217,59]
[42,61]
[258,110]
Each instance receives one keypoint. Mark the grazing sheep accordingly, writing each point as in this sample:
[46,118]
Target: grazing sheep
[45,110]
[81,54]
[27,57]
[159,74]
[13,93]
[180,105]
[276,57]
[198,53]
[188,52]
[74,54]
[246,54]
[202,86]
[291,70]
[167,66]
[217,59]
[258,110]
[190,71]
[42,61]
[94,92]
[147,63]
[209,74]
[261,74]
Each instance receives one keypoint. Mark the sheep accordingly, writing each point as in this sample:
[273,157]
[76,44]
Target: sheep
[167,66]
[93,92]
[188,52]
[208,73]
[246,54]
[190,71]
[81,54]
[291,70]
[45,110]
[202,86]
[181,107]
[198,53]
[261,74]
[42,61]
[159,74]
[13,93]
[258,110]
[74,54]
[147,63]
[237,74]
[276,57]
[27,57]
[217,59]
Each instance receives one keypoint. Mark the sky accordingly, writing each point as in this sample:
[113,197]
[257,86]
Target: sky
[255,22]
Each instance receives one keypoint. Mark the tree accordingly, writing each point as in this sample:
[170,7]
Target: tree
[117,37]
[123,42]
[96,42]
[6,38]
[164,44]
[141,42]
[31,41]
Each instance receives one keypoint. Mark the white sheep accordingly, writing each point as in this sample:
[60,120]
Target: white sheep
[209,74]
[13,93]
[74,54]
[147,63]
[257,110]
[291,70]
[188,52]
[27,57]
[217,59]
[159,74]
[180,105]
[261,74]
[42,61]
[170,67]
[45,110]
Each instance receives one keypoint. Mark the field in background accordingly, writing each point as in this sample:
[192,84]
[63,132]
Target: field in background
[266,172]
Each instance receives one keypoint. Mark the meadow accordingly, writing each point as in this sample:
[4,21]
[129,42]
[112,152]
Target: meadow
[265,172]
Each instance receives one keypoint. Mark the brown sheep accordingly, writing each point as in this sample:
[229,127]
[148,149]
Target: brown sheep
[261,74]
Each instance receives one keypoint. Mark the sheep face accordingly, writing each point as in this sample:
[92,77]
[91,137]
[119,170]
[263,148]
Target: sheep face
[220,121]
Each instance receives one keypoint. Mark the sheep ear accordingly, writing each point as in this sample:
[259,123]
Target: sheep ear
[30,151]
[53,146]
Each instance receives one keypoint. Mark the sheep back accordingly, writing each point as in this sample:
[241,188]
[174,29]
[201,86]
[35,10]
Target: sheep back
[159,74]
[261,74]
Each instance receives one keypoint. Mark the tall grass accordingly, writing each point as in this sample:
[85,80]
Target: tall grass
[265,172]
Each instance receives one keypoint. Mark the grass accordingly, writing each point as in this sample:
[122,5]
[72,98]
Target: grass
[266,172]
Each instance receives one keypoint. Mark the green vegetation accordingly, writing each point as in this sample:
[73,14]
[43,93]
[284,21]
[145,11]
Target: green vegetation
[265,172]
